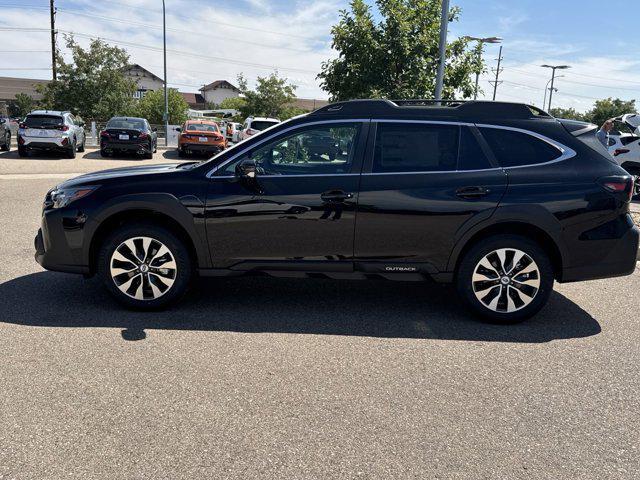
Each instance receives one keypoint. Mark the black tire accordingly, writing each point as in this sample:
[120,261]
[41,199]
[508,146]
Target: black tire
[181,275]
[7,143]
[149,155]
[181,153]
[81,147]
[22,151]
[499,314]
[104,153]
[71,151]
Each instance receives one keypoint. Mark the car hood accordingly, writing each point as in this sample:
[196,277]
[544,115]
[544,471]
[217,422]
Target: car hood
[97,177]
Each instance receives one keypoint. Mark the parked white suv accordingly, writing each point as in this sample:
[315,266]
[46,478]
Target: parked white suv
[625,147]
[51,130]
[253,125]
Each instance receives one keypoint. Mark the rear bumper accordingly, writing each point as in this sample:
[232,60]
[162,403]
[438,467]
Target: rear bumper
[39,143]
[619,259]
[138,147]
[201,147]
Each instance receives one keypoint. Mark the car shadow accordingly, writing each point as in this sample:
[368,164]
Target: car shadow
[259,304]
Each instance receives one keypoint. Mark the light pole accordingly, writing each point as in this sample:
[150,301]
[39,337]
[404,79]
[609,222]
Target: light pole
[553,76]
[444,21]
[546,89]
[481,41]
[166,95]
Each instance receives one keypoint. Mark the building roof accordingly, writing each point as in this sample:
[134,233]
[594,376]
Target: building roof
[10,87]
[135,65]
[193,98]
[309,104]
[219,84]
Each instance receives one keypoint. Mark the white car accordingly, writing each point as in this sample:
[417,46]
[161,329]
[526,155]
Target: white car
[51,130]
[253,125]
[625,147]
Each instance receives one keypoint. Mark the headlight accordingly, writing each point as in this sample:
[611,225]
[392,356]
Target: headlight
[61,197]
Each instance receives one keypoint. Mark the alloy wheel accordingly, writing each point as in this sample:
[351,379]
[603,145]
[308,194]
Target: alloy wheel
[143,268]
[506,280]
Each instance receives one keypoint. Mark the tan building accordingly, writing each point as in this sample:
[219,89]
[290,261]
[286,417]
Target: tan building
[218,91]
[10,87]
[145,80]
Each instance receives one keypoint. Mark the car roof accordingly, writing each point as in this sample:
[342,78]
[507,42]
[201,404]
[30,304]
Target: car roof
[452,110]
[127,118]
[49,112]
[194,120]
[262,119]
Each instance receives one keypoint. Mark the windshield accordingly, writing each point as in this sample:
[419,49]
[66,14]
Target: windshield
[126,123]
[202,127]
[262,124]
[43,121]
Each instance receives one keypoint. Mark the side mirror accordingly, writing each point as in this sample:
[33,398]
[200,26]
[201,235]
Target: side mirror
[154,129]
[246,169]
[178,129]
[2,120]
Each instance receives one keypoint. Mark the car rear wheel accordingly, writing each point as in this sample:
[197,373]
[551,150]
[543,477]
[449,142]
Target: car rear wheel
[22,151]
[505,278]
[144,266]
[7,142]
[81,147]
[71,152]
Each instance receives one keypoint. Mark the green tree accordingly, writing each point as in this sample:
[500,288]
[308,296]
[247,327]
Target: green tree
[568,113]
[21,105]
[93,84]
[272,97]
[609,108]
[151,107]
[396,57]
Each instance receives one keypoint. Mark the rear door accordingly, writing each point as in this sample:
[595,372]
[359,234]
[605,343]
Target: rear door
[423,185]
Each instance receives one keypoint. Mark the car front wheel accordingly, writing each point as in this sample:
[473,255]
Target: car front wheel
[505,278]
[144,266]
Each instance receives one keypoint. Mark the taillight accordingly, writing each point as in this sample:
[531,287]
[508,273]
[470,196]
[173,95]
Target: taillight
[64,128]
[22,125]
[619,151]
[143,135]
[20,140]
[104,134]
[622,185]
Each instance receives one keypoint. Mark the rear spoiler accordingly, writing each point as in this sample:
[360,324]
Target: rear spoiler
[577,128]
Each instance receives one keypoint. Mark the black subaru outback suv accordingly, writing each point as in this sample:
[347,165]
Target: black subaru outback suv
[500,198]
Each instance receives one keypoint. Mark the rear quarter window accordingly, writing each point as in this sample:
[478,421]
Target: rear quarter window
[516,149]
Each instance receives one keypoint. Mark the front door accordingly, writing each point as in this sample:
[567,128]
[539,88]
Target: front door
[299,211]
[424,182]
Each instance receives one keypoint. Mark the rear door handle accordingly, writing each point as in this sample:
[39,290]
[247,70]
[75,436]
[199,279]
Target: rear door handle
[335,196]
[472,192]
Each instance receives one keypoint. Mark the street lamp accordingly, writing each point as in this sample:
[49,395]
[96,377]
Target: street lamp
[481,41]
[166,96]
[442,54]
[546,89]
[553,76]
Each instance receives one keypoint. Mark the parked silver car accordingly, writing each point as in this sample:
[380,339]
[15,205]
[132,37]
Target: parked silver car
[51,130]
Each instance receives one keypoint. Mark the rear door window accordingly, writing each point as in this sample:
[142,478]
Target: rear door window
[415,147]
[515,149]
[262,125]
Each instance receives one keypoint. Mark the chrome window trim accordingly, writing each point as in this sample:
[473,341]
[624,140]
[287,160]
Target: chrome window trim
[586,129]
[428,122]
[566,152]
[211,172]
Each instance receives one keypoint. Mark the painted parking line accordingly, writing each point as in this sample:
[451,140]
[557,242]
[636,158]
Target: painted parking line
[37,176]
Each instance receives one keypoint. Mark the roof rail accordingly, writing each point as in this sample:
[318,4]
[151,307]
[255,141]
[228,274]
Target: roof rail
[469,108]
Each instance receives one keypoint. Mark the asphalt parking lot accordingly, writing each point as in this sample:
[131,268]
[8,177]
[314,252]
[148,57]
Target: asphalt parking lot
[315,379]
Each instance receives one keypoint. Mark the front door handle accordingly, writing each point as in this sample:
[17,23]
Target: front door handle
[335,196]
[472,192]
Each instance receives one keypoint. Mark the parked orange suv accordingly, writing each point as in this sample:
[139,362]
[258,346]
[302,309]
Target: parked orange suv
[200,136]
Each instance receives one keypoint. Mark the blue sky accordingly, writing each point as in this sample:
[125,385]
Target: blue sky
[217,40]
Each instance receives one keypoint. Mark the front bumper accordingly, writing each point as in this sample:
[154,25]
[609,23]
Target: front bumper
[59,242]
